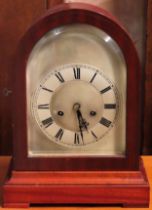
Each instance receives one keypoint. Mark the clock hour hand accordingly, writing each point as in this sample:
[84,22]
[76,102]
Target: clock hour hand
[85,124]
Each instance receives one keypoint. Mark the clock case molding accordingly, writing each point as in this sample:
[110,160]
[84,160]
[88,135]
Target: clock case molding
[51,173]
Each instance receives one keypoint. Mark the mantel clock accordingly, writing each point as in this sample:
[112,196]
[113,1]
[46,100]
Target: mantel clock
[77,112]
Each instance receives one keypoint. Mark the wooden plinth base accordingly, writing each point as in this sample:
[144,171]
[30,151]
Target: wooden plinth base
[128,188]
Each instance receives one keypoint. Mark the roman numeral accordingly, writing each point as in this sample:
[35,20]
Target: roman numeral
[59,76]
[44,88]
[76,138]
[109,106]
[47,122]
[43,106]
[76,71]
[94,135]
[93,77]
[105,122]
[105,90]
[59,134]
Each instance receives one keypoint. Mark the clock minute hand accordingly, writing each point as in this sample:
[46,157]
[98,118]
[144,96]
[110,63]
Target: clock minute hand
[83,122]
[80,123]
[76,108]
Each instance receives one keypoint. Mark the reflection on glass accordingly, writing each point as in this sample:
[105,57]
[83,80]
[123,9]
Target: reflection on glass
[77,44]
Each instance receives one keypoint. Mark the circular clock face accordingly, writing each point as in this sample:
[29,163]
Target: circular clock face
[75,105]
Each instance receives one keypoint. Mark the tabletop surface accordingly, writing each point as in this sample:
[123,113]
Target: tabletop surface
[4,161]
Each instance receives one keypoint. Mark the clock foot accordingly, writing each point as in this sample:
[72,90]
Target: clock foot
[16,205]
[136,205]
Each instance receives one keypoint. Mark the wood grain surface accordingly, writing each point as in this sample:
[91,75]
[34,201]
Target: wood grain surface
[148,166]
[70,14]
[147,147]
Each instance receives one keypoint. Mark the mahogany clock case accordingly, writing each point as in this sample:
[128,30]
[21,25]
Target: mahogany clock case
[83,180]
[63,15]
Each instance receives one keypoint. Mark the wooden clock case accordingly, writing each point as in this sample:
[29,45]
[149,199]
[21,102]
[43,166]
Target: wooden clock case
[83,180]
